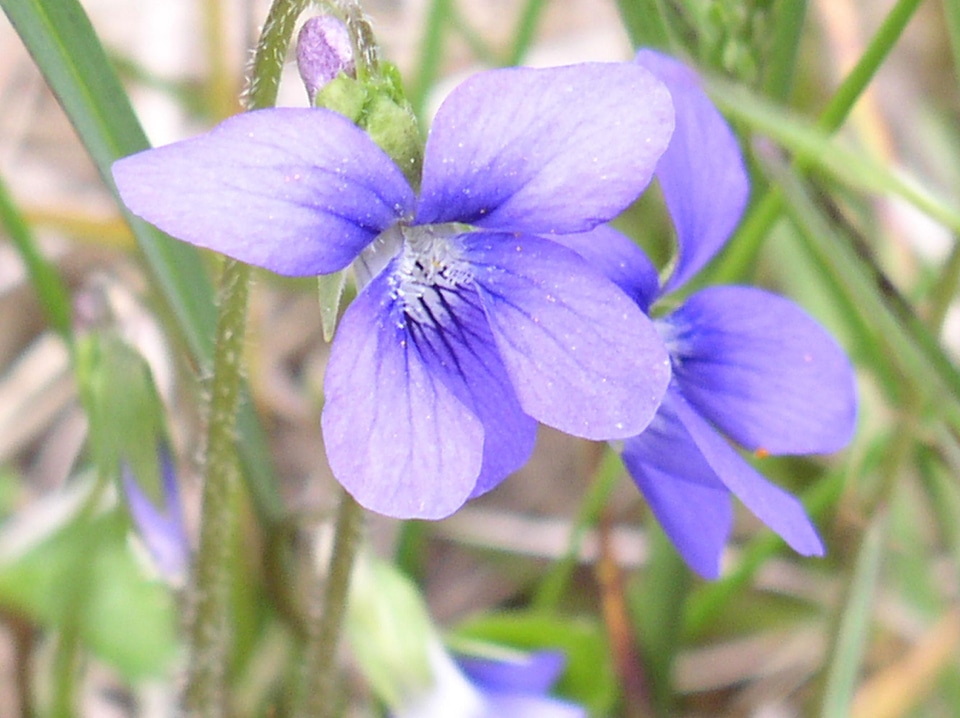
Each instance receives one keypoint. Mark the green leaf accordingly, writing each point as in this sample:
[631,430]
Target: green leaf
[85,576]
[909,344]
[66,49]
[657,601]
[589,678]
[846,658]
[50,288]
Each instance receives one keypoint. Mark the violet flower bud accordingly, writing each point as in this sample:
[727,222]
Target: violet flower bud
[162,530]
[324,51]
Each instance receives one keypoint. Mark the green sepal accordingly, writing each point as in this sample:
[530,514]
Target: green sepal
[379,106]
[330,292]
[345,95]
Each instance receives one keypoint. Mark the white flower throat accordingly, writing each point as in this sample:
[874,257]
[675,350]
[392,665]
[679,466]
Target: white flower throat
[430,268]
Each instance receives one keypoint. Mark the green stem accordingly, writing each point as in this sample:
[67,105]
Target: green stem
[764,213]
[209,632]
[951,9]
[605,480]
[327,608]
[50,288]
[210,635]
[431,50]
[523,33]
[781,67]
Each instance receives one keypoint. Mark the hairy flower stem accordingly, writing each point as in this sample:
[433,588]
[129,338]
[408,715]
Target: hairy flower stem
[327,605]
[209,631]
[209,636]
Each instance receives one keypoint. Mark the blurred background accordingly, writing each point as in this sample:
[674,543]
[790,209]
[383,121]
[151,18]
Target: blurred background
[871,630]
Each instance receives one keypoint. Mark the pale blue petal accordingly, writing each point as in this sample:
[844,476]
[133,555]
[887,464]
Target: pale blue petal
[513,705]
[702,176]
[163,531]
[683,491]
[581,355]
[453,339]
[296,191]
[534,673]
[619,259]
[763,371]
[775,507]
[397,437]
[551,150]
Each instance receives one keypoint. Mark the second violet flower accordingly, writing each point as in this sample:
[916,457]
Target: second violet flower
[747,365]
[471,324]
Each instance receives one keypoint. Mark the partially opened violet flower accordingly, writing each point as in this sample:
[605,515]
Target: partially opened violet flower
[471,687]
[470,325]
[746,363]
[163,531]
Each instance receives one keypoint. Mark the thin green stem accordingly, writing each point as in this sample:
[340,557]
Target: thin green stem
[210,635]
[553,585]
[524,32]
[327,609]
[945,290]
[50,288]
[952,11]
[646,23]
[756,226]
[788,28]
[209,632]
[431,50]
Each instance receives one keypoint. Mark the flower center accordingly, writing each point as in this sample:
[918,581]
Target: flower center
[430,271]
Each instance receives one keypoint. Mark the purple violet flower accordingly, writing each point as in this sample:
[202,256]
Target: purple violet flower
[163,531]
[520,689]
[472,687]
[746,363]
[471,325]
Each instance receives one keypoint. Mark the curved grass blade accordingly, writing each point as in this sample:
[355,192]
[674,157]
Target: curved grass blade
[65,47]
[50,288]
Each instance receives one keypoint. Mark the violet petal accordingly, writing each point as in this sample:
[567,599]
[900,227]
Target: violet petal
[619,259]
[775,507]
[397,438]
[544,150]
[702,176]
[582,356]
[296,191]
[763,371]
[533,673]
[456,346]
[683,491]
[513,705]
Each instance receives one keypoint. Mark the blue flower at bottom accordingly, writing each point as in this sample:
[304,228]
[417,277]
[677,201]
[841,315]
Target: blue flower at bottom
[472,687]
[163,532]
[471,325]
[747,365]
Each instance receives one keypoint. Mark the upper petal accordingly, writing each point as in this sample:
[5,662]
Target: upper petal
[619,259]
[544,150]
[762,370]
[701,173]
[581,355]
[775,507]
[397,438]
[296,191]
[683,491]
